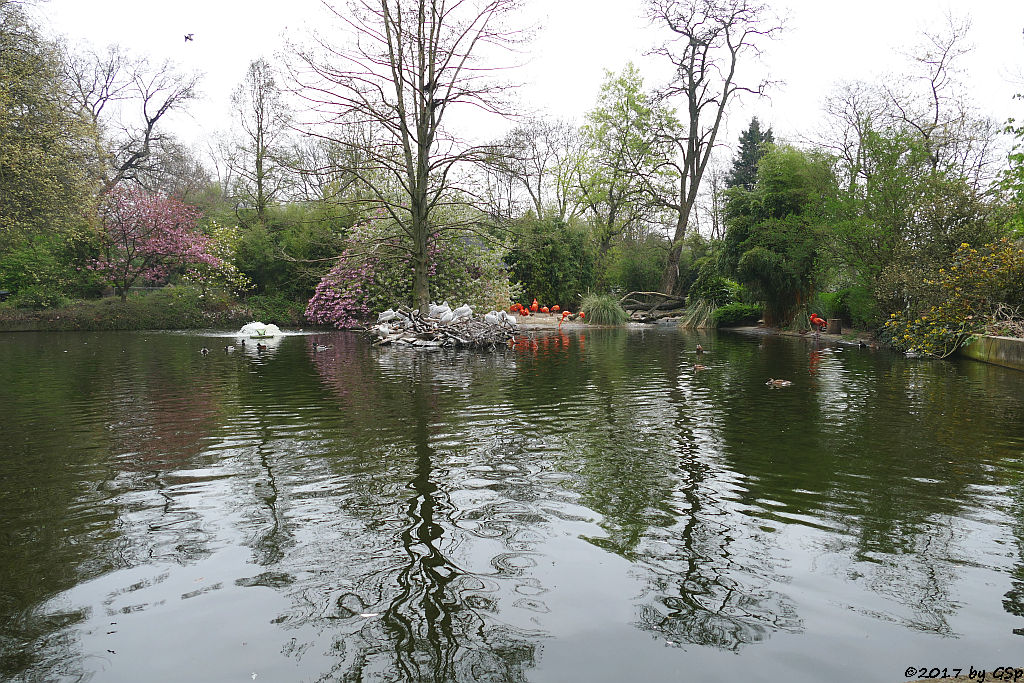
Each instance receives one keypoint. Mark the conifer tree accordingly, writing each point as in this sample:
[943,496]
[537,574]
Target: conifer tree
[744,166]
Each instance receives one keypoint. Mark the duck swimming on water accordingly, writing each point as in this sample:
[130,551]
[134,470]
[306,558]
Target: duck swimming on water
[778,383]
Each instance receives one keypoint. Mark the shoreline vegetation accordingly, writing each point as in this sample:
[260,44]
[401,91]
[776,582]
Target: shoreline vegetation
[170,308]
[905,220]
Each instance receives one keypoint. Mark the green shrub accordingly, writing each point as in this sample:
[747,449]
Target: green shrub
[554,261]
[735,314]
[976,284]
[863,308]
[276,308]
[39,297]
[711,287]
[603,310]
[636,266]
[829,305]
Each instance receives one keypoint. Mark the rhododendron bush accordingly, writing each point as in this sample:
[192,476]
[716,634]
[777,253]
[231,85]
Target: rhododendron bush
[148,236]
[374,273]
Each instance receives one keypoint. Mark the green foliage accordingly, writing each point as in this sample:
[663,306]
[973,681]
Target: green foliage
[553,261]
[294,249]
[277,309]
[1011,181]
[778,267]
[374,273]
[967,294]
[624,152]
[603,309]
[901,221]
[735,314]
[710,286]
[696,251]
[636,265]
[224,242]
[46,189]
[774,232]
[40,272]
[699,314]
[831,305]
[467,270]
[863,308]
[39,297]
[182,307]
[753,145]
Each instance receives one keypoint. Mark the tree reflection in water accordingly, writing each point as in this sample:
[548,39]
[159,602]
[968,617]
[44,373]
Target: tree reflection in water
[439,620]
[371,514]
[708,577]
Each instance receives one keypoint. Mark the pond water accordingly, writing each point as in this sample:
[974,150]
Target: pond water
[587,507]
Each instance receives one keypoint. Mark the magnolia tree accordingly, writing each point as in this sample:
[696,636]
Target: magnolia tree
[148,236]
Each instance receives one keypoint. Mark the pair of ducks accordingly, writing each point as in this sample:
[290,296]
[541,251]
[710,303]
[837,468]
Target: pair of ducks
[774,383]
[229,348]
[698,366]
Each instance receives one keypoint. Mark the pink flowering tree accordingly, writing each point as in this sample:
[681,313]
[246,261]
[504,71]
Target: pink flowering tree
[147,236]
[374,273]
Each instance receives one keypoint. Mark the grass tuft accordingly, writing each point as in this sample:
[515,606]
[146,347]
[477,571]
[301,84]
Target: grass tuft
[603,310]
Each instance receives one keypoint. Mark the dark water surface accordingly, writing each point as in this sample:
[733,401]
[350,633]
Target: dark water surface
[591,509]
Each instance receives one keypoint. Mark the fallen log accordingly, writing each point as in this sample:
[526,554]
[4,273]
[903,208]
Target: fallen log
[651,301]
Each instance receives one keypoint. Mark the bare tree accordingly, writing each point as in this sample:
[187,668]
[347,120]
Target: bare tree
[710,209]
[931,103]
[108,87]
[537,157]
[710,38]
[854,108]
[174,169]
[409,63]
[320,166]
[926,103]
[256,158]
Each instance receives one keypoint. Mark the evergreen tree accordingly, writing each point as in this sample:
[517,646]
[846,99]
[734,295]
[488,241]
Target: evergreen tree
[744,166]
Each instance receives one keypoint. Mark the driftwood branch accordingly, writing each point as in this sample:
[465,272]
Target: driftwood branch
[651,301]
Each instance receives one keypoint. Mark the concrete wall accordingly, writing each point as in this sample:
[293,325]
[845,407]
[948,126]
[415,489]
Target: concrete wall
[1005,351]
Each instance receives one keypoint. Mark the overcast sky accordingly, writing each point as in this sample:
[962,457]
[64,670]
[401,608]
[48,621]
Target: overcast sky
[826,41]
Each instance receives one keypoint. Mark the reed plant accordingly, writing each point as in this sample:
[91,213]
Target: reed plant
[603,310]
